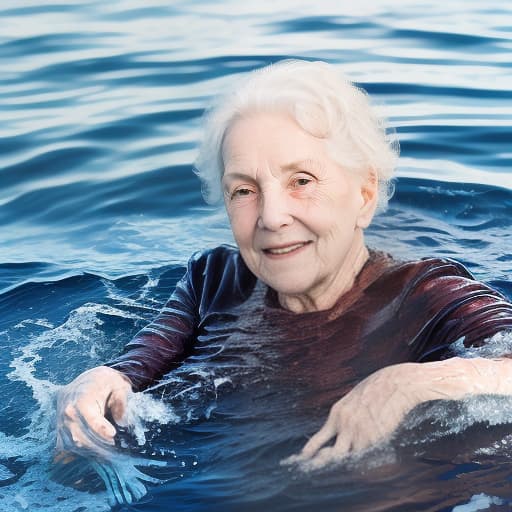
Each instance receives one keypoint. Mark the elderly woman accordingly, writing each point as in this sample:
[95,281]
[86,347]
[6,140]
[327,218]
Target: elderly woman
[302,163]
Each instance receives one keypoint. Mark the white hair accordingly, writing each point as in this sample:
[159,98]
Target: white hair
[323,102]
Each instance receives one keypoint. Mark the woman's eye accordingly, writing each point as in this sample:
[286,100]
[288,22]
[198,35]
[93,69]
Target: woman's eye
[301,181]
[241,192]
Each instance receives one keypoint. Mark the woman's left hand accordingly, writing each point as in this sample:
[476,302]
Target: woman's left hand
[377,405]
[366,415]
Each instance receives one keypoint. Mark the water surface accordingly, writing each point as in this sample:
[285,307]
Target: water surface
[99,211]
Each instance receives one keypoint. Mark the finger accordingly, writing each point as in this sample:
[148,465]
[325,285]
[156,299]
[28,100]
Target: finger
[330,454]
[82,435]
[115,497]
[88,433]
[91,418]
[103,429]
[59,444]
[322,458]
[297,458]
[117,403]
[326,433]
[343,445]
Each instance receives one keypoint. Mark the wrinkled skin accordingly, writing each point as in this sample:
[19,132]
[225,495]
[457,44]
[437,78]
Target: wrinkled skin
[377,405]
[296,214]
[82,408]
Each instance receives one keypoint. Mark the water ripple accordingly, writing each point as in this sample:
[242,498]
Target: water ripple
[101,108]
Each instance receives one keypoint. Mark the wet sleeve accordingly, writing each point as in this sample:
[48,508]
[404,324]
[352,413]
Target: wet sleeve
[460,311]
[163,344]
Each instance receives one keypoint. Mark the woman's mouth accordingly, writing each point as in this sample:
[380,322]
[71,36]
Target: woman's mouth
[285,249]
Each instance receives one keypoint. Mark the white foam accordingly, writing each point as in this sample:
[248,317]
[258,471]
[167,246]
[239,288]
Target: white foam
[34,490]
[478,502]
[496,346]
[141,409]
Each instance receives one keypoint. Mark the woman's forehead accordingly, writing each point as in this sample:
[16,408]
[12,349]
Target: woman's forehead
[270,135]
[234,172]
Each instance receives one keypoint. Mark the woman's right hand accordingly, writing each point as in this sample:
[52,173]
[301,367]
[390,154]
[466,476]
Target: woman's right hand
[83,407]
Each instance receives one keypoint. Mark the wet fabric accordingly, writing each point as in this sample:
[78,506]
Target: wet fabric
[395,312]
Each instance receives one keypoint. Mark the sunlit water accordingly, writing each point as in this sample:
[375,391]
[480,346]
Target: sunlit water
[99,212]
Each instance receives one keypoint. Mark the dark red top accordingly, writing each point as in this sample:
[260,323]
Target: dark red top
[395,312]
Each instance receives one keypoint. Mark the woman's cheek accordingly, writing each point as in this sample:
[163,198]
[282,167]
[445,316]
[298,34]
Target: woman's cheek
[242,217]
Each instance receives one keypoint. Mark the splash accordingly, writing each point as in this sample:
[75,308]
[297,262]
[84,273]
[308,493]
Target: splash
[29,477]
[496,346]
[121,468]
[479,502]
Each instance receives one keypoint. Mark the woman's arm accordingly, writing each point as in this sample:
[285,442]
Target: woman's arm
[378,404]
[455,307]
[87,406]
[162,344]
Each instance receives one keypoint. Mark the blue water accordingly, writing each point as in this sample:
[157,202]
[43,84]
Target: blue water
[101,107]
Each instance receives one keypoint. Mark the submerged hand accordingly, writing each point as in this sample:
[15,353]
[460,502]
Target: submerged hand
[369,413]
[84,430]
[366,415]
[82,407]
[377,405]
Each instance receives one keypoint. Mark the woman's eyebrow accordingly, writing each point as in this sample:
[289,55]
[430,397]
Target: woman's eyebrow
[236,176]
[301,164]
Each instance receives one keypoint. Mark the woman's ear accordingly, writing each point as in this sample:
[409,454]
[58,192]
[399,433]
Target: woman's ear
[370,195]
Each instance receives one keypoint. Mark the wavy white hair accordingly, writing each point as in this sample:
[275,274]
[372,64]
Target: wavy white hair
[322,101]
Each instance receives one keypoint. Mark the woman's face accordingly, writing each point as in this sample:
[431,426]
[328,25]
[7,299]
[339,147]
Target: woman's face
[296,215]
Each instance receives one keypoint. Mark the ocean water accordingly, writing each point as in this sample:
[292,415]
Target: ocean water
[101,107]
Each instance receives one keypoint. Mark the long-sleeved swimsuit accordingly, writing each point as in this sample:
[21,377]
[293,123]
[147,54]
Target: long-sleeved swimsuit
[395,312]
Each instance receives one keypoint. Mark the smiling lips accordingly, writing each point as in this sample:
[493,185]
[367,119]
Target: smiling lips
[285,249]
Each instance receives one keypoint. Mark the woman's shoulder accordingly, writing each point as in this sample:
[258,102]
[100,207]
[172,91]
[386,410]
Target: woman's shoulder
[425,276]
[437,279]
[442,265]
[427,267]
[221,255]
[220,276]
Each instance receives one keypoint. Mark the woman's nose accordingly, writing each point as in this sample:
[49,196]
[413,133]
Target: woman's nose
[274,212]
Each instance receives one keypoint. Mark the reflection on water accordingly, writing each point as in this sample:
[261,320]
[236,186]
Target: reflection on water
[99,211]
